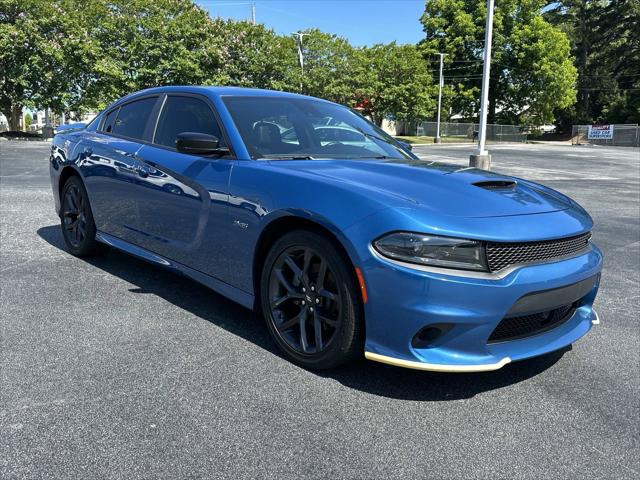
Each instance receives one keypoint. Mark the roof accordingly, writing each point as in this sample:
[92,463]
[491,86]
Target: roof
[219,91]
[215,91]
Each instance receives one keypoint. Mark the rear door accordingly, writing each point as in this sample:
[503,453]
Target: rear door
[111,169]
[183,209]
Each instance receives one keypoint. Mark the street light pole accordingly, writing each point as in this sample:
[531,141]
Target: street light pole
[441,81]
[481,158]
[299,36]
[253,13]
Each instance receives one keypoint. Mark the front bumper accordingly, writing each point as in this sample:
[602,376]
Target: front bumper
[402,300]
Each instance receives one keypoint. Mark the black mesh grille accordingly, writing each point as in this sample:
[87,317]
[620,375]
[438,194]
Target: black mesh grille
[501,255]
[527,325]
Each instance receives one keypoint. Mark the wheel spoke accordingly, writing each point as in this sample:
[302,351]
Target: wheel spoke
[70,201]
[307,261]
[288,296]
[82,227]
[327,294]
[326,320]
[304,341]
[317,327]
[297,273]
[322,271]
[74,198]
[283,281]
[70,225]
[287,324]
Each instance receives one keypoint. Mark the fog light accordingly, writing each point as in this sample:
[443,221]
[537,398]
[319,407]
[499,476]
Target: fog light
[428,334]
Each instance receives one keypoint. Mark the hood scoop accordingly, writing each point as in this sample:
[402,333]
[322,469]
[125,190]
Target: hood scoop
[497,184]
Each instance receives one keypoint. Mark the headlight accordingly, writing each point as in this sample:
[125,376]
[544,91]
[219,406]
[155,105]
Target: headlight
[432,250]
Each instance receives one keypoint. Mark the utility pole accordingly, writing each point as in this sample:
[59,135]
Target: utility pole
[253,13]
[481,158]
[299,36]
[439,97]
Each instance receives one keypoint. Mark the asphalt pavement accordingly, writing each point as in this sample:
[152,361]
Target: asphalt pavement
[113,368]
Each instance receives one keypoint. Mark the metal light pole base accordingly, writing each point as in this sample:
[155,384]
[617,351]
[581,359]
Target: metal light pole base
[437,140]
[480,161]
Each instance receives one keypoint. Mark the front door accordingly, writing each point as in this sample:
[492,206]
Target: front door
[182,202]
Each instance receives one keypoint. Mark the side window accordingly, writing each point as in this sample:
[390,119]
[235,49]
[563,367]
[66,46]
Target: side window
[132,118]
[185,114]
[107,125]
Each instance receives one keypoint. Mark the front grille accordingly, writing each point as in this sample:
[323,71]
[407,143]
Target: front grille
[526,325]
[502,255]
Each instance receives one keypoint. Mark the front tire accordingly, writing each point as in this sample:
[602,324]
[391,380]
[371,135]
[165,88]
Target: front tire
[78,227]
[310,301]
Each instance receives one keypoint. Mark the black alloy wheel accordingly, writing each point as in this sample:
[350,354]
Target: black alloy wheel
[309,301]
[78,227]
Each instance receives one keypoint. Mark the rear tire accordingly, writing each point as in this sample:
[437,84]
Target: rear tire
[310,301]
[76,220]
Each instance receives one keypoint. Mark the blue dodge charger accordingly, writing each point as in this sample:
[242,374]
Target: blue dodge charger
[344,240]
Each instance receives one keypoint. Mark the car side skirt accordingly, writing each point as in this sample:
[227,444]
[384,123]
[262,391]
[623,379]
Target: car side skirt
[433,367]
[232,293]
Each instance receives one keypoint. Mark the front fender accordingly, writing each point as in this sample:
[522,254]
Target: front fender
[260,194]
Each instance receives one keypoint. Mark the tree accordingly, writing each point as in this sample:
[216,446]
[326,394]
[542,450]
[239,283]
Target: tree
[254,56]
[28,120]
[42,49]
[394,80]
[328,67]
[605,41]
[146,43]
[531,69]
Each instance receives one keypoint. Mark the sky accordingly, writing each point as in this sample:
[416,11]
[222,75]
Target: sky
[362,22]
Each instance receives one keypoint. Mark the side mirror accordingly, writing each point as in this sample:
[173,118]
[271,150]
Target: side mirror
[407,146]
[197,143]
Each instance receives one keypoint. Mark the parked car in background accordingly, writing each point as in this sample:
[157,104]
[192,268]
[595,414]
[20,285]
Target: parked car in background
[346,242]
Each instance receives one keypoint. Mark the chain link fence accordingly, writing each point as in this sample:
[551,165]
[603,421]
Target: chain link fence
[468,132]
[623,136]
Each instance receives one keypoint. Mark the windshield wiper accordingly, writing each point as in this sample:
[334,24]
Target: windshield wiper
[371,135]
[376,157]
[288,157]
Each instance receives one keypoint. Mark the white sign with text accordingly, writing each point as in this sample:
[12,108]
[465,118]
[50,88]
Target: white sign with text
[600,132]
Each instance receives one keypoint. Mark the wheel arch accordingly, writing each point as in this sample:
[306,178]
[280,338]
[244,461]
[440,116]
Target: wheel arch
[289,222]
[66,173]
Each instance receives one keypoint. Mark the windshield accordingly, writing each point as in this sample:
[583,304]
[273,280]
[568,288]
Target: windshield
[300,128]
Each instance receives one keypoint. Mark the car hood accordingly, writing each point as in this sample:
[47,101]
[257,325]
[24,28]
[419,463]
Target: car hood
[443,188]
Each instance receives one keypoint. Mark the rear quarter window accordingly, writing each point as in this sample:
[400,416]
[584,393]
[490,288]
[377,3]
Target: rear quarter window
[109,120]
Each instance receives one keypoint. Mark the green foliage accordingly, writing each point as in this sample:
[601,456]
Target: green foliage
[75,55]
[605,40]
[253,56]
[329,63]
[146,43]
[394,80]
[41,49]
[79,55]
[531,69]
[28,120]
